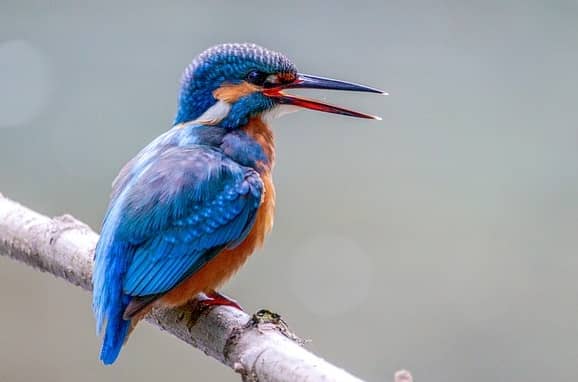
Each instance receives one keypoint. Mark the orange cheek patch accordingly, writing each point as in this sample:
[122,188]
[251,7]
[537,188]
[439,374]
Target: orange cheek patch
[232,92]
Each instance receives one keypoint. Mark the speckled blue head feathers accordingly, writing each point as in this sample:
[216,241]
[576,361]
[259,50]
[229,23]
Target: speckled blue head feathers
[230,64]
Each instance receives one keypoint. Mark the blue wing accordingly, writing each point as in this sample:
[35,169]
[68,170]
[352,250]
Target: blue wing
[194,201]
[170,214]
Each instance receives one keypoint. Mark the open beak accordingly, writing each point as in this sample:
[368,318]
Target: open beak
[305,81]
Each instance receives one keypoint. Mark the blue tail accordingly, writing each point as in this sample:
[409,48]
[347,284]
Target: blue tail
[111,258]
[114,336]
[108,300]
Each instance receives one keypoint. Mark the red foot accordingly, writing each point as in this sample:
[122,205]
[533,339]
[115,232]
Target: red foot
[214,298]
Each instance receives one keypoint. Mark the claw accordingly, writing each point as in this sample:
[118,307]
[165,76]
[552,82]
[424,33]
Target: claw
[215,298]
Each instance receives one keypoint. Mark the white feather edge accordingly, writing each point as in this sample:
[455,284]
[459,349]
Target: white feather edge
[213,115]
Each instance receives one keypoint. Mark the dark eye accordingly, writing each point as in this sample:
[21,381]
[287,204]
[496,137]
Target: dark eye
[256,77]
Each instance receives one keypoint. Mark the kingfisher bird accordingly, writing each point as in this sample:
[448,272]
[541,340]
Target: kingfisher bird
[189,209]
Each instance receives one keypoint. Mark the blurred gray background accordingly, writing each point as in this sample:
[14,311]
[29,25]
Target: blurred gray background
[442,239]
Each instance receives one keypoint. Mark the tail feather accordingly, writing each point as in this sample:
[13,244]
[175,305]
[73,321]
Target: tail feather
[111,258]
[109,301]
[115,335]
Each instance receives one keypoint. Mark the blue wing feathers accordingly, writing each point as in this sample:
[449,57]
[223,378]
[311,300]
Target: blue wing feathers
[157,277]
[170,213]
[162,262]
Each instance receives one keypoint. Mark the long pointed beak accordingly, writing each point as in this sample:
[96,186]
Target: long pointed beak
[305,81]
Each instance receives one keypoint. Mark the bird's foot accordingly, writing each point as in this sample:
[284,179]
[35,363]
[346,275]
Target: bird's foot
[215,298]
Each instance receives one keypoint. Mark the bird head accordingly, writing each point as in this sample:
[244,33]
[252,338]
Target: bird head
[230,83]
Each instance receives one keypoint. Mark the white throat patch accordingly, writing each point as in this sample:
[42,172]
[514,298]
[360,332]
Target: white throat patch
[213,115]
[278,111]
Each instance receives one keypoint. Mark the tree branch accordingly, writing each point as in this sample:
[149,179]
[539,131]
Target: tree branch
[256,347]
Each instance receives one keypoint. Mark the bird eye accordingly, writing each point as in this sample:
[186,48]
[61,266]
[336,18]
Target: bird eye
[256,77]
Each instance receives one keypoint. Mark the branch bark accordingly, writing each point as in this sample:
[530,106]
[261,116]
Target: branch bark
[256,347]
